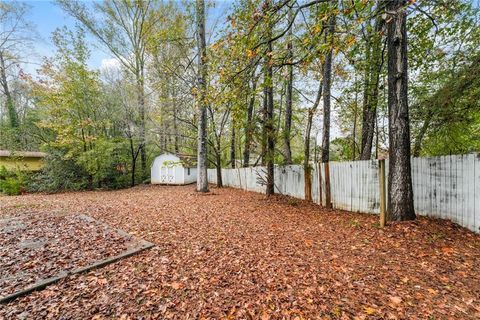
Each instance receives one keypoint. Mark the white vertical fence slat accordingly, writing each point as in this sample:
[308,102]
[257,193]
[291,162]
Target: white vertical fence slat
[476,205]
[446,187]
[471,167]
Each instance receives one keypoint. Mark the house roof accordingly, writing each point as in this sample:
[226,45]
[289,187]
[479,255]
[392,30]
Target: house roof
[25,154]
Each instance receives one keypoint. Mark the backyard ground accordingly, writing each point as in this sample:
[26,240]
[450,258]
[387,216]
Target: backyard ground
[235,254]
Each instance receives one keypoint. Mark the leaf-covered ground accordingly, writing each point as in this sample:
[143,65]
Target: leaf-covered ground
[35,247]
[235,254]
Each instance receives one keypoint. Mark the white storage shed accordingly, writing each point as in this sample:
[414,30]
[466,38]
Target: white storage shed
[173,169]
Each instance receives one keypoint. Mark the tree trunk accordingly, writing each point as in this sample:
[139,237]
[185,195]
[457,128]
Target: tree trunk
[134,161]
[421,134]
[374,62]
[354,130]
[132,181]
[327,84]
[249,125]
[141,105]
[289,98]
[202,179]
[175,124]
[269,124]
[218,166]
[10,106]
[264,116]
[232,146]
[306,165]
[400,195]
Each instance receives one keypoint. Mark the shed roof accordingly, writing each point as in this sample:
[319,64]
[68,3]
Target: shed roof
[25,154]
[188,161]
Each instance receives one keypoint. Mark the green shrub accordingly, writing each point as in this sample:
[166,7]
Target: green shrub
[11,183]
[4,173]
[58,174]
[11,186]
[104,166]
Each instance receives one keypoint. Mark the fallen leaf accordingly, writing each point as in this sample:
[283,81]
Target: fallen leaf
[395,299]
[176,285]
[448,250]
[432,291]
[369,310]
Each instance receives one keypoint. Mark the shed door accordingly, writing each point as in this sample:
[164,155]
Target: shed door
[163,174]
[171,175]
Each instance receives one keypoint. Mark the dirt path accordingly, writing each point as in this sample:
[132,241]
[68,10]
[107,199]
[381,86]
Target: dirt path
[240,255]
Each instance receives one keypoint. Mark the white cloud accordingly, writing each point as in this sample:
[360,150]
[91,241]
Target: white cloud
[109,64]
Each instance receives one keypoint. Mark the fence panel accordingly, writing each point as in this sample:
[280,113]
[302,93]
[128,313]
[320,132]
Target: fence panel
[446,187]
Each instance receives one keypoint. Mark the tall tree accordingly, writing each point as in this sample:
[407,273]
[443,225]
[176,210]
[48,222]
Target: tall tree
[289,97]
[306,161]
[9,103]
[264,115]
[217,122]
[69,97]
[202,178]
[249,126]
[373,67]
[124,30]
[400,195]
[16,35]
[232,145]
[327,85]
[269,121]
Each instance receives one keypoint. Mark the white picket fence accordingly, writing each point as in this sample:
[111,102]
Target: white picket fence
[446,187]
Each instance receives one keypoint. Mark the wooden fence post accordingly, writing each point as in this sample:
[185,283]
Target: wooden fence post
[328,198]
[383,205]
[307,176]
[320,196]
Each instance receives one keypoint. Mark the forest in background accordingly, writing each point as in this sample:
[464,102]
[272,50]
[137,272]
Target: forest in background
[277,80]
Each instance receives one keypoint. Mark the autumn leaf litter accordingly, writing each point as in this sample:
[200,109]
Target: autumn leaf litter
[241,255]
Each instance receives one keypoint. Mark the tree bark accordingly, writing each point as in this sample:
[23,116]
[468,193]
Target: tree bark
[202,179]
[232,146]
[133,158]
[270,131]
[327,84]
[249,125]
[175,124]
[374,62]
[306,165]
[400,195]
[289,98]
[141,105]
[354,129]
[218,165]
[264,115]
[10,106]
[417,147]
[269,125]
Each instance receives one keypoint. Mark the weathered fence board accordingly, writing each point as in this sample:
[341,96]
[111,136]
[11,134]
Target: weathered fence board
[446,187]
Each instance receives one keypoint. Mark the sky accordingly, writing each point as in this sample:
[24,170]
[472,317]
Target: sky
[47,16]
